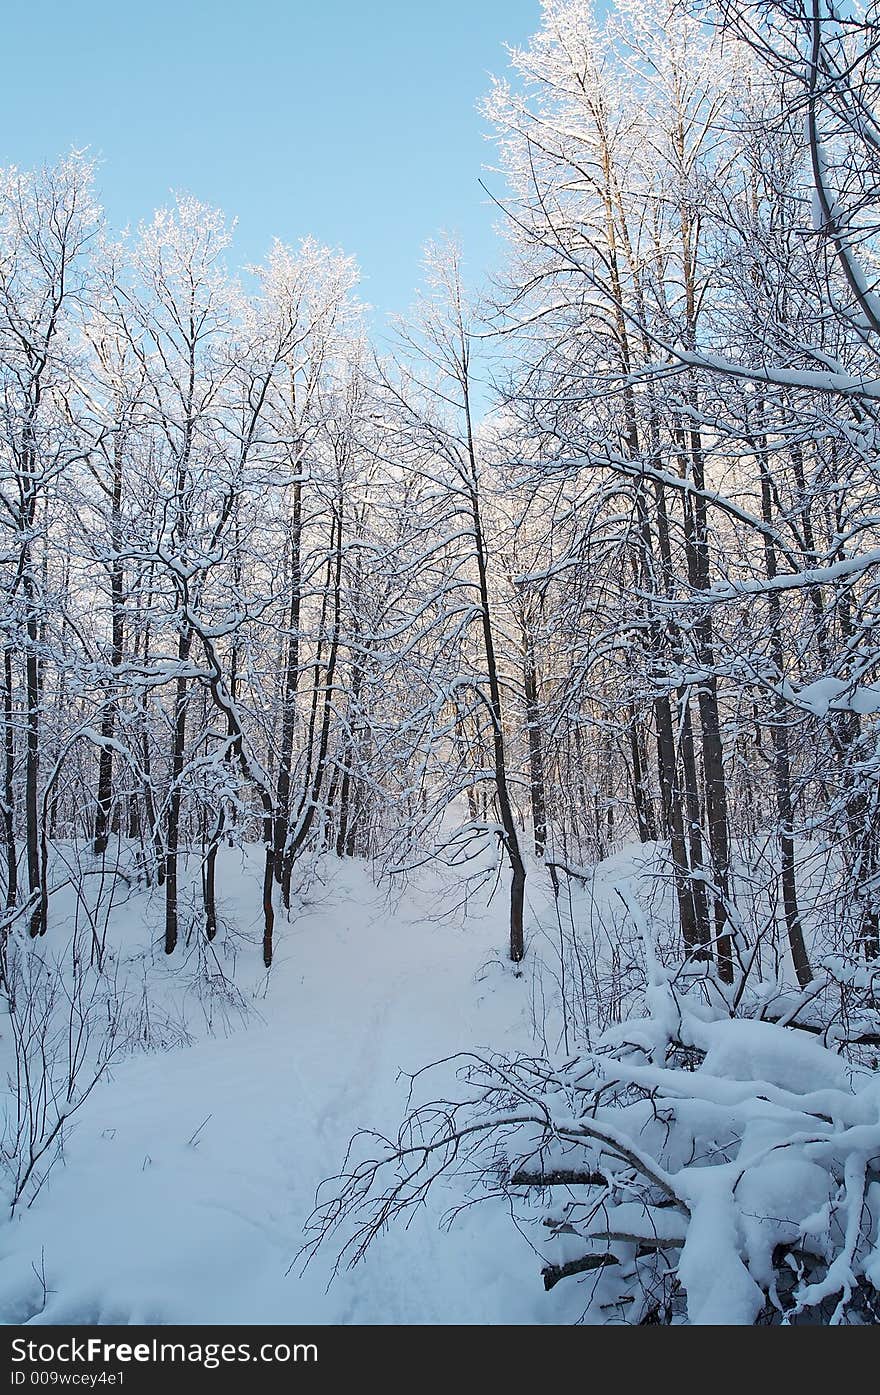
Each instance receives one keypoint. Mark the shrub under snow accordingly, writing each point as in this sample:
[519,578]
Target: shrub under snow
[692,1166]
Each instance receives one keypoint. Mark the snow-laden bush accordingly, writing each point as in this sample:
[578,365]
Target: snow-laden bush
[692,1167]
[67,1024]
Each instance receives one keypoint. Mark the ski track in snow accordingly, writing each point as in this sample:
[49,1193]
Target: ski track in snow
[140,1225]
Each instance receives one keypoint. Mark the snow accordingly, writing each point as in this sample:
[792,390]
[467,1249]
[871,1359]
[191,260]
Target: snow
[719,1286]
[187,1177]
[817,697]
[754,1051]
[834,694]
[775,1203]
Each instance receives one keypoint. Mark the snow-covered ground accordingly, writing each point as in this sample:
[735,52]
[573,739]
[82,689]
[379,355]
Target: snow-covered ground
[188,1174]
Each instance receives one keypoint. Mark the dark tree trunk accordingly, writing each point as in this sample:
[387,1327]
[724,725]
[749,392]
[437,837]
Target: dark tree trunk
[536,754]
[690,893]
[209,878]
[644,804]
[696,531]
[505,807]
[311,794]
[104,802]
[346,787]
[32,758]
[781,756]
[9,783]
[172,824]
[679,804]
[290,687]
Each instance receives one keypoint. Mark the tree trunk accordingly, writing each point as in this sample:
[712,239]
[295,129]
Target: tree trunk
[32,757]
[644,804]
[536,754]
[9,783]
[104,802]
[311,794]
[505,808]
[290,687]
[690,893]
[172,825]
[781,757]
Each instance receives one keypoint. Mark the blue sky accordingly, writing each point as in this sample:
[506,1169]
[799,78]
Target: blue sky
[352,121]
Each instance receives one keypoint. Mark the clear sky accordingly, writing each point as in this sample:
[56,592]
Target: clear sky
[351,120]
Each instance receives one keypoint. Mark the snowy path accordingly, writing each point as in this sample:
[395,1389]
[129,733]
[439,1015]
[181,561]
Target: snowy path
[142,1225]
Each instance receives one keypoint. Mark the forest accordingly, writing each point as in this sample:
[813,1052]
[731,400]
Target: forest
[556,608]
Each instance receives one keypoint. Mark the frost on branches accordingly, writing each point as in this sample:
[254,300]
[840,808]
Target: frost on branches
[691,1167]
[575,578]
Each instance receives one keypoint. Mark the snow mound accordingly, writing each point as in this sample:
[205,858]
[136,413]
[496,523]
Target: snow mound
[740,1049]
